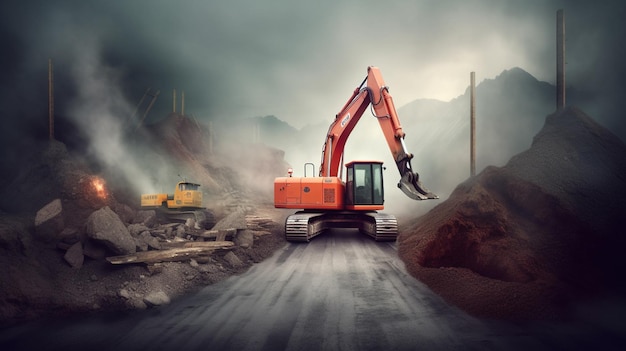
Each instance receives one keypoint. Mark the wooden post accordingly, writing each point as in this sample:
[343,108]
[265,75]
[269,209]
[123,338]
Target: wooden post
[560,60]
[50,100]
[182,103]
[174,101]
[210,137]
[472,124]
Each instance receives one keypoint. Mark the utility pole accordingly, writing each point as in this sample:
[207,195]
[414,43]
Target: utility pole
[560,60]
[211,136]
[50,100]
[174,101]
[182,103]
[472,124]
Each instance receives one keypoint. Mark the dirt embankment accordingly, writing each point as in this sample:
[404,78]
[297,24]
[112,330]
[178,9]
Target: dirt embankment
[531,239]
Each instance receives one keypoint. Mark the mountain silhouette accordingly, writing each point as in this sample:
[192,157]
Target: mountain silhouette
[510,110]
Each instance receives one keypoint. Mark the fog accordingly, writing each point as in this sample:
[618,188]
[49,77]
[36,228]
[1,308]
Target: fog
[298,61]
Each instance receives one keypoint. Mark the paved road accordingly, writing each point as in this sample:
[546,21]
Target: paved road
[339,292]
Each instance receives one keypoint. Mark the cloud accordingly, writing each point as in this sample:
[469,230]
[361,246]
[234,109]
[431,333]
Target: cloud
[299,61]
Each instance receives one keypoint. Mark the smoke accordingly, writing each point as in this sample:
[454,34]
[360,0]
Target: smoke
[100,110]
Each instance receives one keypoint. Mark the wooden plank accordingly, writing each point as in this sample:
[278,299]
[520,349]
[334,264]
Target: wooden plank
[215,234]
[208,244]
[169,255]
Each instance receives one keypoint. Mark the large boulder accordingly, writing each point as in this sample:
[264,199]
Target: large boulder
[49,221]
[74,255]
[235,219]
[106,227]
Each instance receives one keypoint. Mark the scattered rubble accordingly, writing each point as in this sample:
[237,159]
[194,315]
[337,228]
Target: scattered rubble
[80,276]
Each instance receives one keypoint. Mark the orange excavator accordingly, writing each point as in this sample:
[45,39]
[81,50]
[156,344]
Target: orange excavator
[327,201]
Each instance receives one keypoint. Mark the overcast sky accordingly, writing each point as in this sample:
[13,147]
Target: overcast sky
[297,60]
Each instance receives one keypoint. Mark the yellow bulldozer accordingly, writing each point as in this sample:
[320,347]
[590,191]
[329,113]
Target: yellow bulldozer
[185,203]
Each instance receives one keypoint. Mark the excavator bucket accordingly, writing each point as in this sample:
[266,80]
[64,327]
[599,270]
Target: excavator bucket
[412,187]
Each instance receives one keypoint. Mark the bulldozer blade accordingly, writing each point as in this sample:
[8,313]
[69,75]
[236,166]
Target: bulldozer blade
[412,187]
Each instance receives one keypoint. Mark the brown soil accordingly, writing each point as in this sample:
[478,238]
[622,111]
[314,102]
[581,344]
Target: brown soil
[522,242]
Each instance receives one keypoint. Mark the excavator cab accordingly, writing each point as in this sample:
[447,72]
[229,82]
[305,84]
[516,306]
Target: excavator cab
[364,185]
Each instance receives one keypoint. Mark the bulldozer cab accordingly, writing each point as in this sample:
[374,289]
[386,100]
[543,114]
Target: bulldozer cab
[364,183]
[182,186]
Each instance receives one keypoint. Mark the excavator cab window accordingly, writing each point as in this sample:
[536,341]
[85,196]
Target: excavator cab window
[364,183]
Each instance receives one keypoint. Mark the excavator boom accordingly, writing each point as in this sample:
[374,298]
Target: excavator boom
[376,94]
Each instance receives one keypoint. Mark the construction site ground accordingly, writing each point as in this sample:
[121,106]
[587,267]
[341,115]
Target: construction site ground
[340,291]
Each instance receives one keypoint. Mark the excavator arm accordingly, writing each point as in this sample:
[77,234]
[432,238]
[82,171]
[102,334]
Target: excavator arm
[376,94]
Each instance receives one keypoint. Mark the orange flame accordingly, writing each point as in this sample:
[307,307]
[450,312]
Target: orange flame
[98,184]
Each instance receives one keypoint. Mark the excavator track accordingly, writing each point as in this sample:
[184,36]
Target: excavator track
[304,226]
[297,227]
[386,227]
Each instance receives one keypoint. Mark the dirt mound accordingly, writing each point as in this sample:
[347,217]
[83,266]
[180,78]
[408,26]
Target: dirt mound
[530,239]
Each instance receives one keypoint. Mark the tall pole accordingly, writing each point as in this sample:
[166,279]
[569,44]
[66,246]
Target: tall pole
[50,100]
[182,103]
[210,132]
[472,124]
[560,60]
[174,101]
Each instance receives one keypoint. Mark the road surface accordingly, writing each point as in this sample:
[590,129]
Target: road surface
[342,291]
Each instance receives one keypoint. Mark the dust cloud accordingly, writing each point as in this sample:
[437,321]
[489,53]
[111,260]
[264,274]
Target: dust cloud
[101,110]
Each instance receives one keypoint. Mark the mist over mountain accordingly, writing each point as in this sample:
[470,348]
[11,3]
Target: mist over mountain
[300,145]
[510,110]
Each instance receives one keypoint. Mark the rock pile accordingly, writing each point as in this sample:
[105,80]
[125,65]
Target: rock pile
[63,263]
[105,234]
